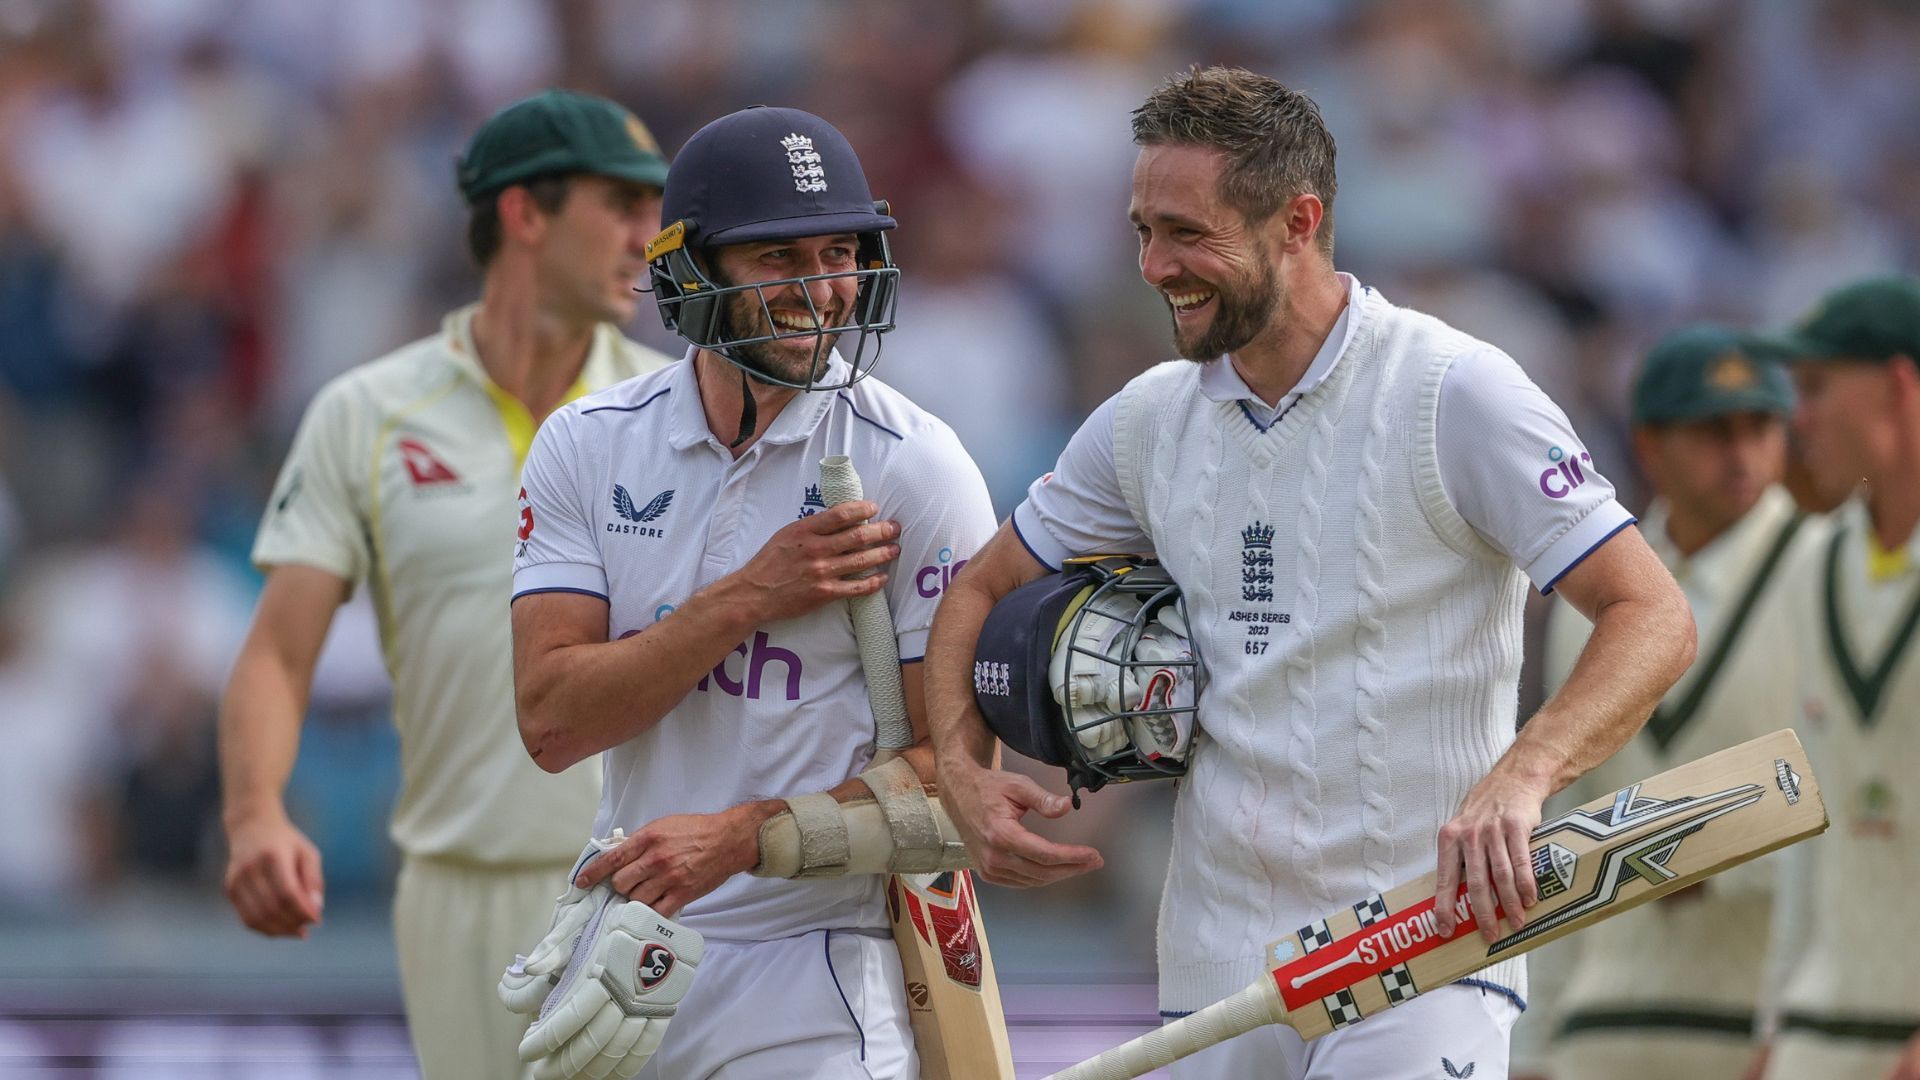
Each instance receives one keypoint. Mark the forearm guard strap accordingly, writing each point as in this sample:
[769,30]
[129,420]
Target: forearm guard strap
[900,830]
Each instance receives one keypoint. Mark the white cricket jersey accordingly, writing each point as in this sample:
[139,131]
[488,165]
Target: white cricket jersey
[634,500]
[1349,562]
[403,475]
[1682,970]
[1855,634]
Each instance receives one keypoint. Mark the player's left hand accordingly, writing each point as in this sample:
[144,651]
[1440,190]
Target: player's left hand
[678,859]
[1908,1067]
[1488,839]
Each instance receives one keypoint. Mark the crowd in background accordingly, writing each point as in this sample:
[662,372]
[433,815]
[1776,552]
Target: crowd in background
[208,208]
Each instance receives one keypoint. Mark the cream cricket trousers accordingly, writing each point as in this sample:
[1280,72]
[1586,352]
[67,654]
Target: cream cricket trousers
[456,927]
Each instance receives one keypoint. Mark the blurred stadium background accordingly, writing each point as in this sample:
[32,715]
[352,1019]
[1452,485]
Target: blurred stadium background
[210,207]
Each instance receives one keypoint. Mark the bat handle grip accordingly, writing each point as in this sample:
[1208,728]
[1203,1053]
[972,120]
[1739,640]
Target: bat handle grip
[872,629]
[1250,1008]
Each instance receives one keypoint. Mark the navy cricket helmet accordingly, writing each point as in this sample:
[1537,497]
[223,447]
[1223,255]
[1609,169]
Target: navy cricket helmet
[1093,669]
[765,174]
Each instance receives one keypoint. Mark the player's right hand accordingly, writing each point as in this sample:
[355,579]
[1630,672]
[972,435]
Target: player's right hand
[987,806]
[808,563]
[273,876]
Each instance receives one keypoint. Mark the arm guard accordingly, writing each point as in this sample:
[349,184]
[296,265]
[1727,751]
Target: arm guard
[901,830]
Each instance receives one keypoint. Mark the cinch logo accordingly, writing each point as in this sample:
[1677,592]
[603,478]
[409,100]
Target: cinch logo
[931,581]
[1565,474]
[812,503]
[761,653]
[623,505]
[422,466]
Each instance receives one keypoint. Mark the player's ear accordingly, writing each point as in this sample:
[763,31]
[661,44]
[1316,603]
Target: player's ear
[522,220]
[1299,221]
[1904,373]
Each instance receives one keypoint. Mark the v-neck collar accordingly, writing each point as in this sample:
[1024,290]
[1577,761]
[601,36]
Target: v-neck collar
[1220,381]
[1237,403]
[1669,719]
[1867,687]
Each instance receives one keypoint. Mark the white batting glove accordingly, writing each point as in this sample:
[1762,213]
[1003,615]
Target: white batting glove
[530,978]
[619,990]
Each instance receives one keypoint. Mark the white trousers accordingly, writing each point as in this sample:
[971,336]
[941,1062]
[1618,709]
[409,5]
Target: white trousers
[1456,1031]
[830,1005]
[457,927]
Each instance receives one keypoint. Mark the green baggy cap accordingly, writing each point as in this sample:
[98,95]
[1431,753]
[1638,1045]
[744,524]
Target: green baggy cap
[1705,371]
[1876,319]
[559,131]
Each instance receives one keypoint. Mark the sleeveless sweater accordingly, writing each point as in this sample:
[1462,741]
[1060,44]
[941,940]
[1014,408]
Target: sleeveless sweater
[1363,643]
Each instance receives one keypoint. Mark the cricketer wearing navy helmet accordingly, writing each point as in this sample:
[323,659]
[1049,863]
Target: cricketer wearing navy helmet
[677,606]
[719,198]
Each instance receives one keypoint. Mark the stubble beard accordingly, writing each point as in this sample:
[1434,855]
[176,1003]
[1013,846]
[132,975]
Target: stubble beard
[1245,308]
[777,359]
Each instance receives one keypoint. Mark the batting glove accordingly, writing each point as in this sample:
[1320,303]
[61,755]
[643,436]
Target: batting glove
[620,988]
[532,977]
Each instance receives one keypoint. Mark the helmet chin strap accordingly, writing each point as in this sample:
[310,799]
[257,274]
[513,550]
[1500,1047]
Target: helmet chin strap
[749,411]
[749,408]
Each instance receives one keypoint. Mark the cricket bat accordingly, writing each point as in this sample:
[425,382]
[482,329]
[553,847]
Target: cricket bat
[953,999]
[1645,841]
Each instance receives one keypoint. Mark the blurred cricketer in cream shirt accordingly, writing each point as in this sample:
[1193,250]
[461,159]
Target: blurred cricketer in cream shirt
[403,475]
[631,498]
[1689,958]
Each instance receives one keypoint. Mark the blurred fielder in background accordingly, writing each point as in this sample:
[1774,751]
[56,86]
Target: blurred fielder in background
[677,604]
[1351,496]
[1668,991]
[403,476]
[1850,1006]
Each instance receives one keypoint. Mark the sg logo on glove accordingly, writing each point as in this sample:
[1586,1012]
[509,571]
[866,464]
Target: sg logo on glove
[603,984]
[656,962]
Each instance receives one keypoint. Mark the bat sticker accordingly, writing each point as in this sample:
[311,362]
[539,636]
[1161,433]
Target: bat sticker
[1788,780]
[1646,860]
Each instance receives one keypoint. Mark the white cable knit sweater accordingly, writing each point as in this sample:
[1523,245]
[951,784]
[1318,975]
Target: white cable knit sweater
[1363,643]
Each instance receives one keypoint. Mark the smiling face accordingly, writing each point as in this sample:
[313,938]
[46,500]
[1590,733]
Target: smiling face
[1215,270]
[808,309]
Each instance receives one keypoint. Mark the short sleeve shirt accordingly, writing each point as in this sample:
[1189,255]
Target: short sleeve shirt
[631,498]
[402,475]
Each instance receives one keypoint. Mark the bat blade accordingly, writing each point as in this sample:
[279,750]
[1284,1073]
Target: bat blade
[1642,842]
[953,997]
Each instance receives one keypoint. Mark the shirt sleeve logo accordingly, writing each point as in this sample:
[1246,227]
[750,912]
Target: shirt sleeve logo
[933,580]
[1564,474]
[286,497]
[526,516]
